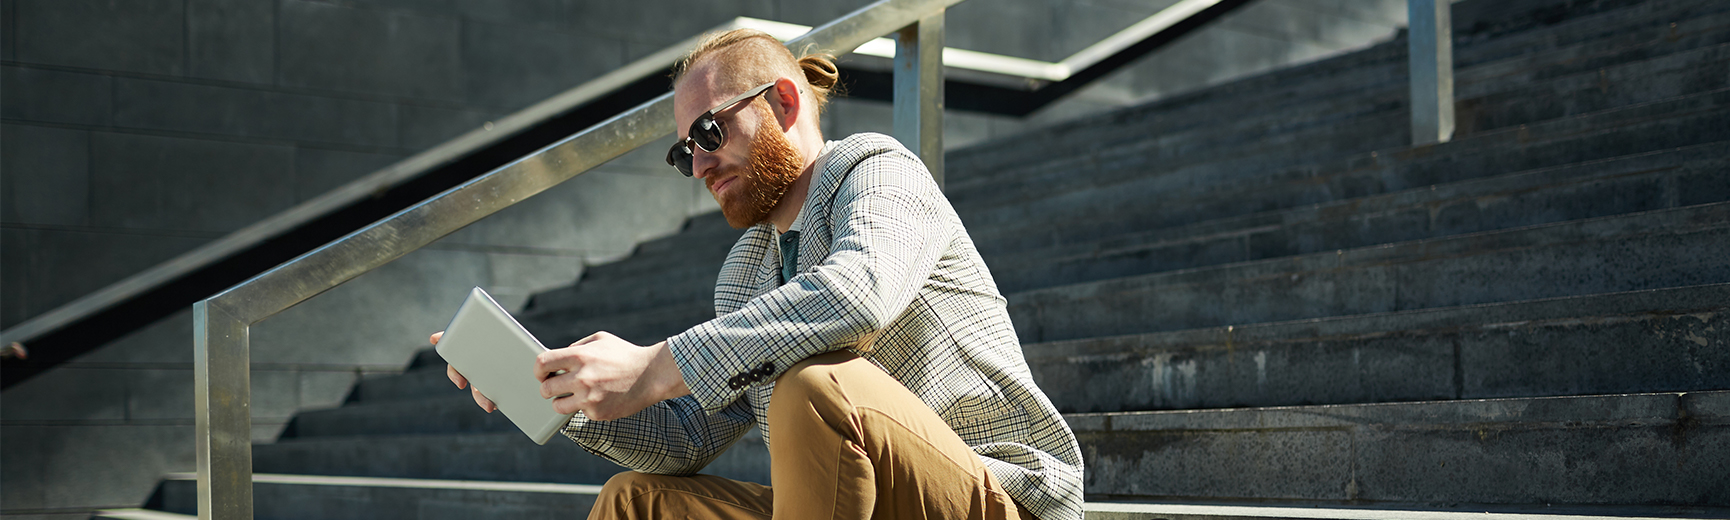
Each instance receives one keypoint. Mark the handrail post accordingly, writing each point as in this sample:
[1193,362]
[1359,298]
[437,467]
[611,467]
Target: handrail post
[919,90]
[222,395]
[1430,40]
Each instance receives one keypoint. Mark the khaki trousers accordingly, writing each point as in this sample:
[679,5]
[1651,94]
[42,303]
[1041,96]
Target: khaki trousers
[850,442]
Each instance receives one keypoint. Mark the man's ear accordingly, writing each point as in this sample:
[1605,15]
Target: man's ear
[786,101]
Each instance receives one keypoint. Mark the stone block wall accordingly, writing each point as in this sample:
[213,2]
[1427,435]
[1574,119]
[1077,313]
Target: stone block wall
[133,131]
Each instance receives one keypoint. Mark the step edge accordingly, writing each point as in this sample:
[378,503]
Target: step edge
[409,483]
[1337,513]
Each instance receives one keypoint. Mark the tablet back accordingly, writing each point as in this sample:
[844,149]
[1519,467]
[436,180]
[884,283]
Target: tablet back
[497,356]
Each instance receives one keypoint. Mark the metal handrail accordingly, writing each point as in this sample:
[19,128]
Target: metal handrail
[221,323]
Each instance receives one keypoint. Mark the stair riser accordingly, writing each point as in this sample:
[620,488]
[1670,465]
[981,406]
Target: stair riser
[501,457]
[414,384]
[1594,88]
[1155,202]
[1533,89]
[596,297]
[643,327]
[1188,194]
[1644,183]
[1663,449]
[1579,356]
[452,412]
[327,502]
[1579,258]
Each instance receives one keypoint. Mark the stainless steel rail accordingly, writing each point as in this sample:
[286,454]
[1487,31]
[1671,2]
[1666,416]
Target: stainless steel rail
[221,322]
[1430,39]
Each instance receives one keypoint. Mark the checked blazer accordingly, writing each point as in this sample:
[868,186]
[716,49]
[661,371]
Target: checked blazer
[883,267]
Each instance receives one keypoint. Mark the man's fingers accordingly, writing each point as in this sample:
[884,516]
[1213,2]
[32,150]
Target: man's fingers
[555,362]
[436,335]
[567,404]
[457,378]
[593,338]
[486,404]
[560,385]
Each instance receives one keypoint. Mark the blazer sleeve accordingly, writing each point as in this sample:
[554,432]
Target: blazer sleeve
[672,437]
[889,227]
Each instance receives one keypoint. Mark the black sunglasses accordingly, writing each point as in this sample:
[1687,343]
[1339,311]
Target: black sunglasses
[706,132]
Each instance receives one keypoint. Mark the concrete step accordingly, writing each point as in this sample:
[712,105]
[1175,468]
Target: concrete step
[300,497]
[691,257]
[428,498]
[504,456]
[1531,89]
[418,383]
[1641,182]
[1192,194]
[1484,91]
[1259,511]
[643,326]
[453,411]
[1651,449]
[1657,450]
[1642,341]
[615,293]
[1651,250]
[140,514]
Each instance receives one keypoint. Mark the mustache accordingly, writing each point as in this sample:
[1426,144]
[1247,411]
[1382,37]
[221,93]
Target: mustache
[726,172]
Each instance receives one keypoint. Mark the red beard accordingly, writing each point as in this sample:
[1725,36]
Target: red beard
[774,165]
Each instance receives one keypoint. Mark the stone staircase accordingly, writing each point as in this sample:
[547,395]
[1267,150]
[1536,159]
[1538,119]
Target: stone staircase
[1256,301]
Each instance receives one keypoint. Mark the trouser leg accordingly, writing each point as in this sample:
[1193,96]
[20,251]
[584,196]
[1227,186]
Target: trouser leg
[642,496]
[850,442]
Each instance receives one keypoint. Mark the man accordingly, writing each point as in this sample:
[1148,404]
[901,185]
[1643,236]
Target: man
[856,325]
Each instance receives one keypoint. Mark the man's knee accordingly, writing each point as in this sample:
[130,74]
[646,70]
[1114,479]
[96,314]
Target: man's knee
[629,483]
[810,390]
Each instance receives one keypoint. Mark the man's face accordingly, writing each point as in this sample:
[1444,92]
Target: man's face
[751,172]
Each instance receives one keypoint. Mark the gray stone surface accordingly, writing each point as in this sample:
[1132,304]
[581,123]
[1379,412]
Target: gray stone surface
[560,218]
[168,341]
[232,40]
[1574,346]
[626,21]
[519,12]
[46,268]
[422,126]
[274,500]
[54,96]
[47,177]
[9,41]
[1660,449]
[146,36]
[317,171]
[514,66]
[1026,253]
[247,112]
[142,182]
[507,455]
[65,477]
[1593,256]
[390,52]
[377,320]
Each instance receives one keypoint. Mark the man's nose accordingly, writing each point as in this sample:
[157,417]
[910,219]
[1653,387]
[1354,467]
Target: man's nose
[702,162]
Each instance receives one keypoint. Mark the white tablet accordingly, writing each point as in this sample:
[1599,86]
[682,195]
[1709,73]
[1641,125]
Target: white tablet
[497,355]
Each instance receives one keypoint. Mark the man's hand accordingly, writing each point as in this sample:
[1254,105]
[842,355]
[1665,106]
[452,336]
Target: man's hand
[609,378]
[461,382]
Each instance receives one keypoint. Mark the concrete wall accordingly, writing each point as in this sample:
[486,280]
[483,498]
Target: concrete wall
[133,131]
